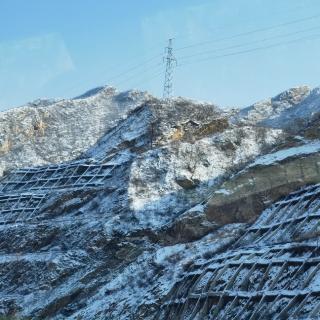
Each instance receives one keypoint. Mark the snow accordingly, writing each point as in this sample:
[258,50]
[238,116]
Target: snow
[304,110]
[223,191]
[68,127]
[198,208]
[142,281]
[289,110]
[154,195]
[272,158]
[270,110]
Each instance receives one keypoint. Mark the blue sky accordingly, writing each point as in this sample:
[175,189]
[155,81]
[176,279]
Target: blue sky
[62,48]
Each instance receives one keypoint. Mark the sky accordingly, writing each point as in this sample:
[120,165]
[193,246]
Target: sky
[229,52]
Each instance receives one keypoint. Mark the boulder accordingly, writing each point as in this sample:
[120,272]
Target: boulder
[186,183]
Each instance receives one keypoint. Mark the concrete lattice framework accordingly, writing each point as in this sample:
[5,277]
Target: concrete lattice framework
[24,192]
[63,176]
[271,272]
[17,207]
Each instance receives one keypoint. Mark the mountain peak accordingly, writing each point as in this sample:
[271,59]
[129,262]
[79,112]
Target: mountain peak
[292,96]
[272,108]
[105,90]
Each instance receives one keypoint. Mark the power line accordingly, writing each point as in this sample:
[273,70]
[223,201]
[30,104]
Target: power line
[286,11]
[149,78]
[247,43]
[249,32]
[123,73]
[142,64]
[138,66]
[156,67]
[252,49]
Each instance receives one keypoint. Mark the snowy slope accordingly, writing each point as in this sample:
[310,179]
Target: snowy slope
[282,110]
[50,131]
[116,217]
[298,114]
[308,148]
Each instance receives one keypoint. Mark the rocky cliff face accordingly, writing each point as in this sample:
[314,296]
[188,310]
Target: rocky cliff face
[143,210]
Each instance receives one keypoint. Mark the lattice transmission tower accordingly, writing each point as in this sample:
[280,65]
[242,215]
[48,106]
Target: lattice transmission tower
[171,62]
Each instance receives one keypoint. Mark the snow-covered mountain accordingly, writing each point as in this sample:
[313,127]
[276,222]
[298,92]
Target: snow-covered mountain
[120,206]
[52,131]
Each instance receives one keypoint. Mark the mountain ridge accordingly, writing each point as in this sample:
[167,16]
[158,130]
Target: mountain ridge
[125,225]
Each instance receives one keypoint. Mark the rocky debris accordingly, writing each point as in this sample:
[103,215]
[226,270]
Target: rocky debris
[206,161]
[139,290]
[112,235]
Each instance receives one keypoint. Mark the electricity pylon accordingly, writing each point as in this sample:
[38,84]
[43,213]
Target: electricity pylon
[171,62]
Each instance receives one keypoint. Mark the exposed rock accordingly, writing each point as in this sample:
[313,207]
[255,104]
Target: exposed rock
[187,183]
[242,198]
[5,146]
[312,130]
[189,226]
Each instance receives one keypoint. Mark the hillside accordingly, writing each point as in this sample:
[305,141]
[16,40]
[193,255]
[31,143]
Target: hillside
[53,131]
[119,206]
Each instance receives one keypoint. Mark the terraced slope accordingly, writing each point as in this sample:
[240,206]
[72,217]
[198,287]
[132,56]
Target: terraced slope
[271,272]
[47,242]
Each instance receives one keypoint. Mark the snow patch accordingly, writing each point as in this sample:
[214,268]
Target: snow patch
[271,158]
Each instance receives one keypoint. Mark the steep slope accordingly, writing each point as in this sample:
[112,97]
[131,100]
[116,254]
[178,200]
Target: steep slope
[292,110]
[147,205]
[273,108]
[52,131]
[271,272]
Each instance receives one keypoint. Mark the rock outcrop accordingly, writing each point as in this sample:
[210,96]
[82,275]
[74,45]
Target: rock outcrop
[243,197]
